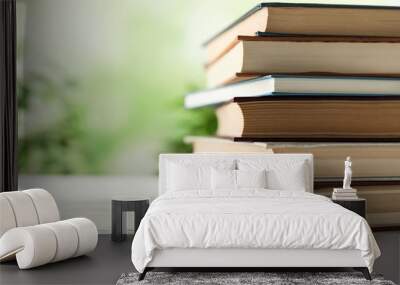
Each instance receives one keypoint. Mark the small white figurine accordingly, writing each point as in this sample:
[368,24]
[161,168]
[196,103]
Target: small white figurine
[347,173]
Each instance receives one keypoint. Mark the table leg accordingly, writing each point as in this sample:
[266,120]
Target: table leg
[118,222]
[140,211]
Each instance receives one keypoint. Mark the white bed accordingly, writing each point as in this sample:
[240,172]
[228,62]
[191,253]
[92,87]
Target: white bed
[248,227]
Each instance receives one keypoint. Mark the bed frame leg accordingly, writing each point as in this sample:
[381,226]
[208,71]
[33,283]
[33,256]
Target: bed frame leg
[364,271]
[143,274]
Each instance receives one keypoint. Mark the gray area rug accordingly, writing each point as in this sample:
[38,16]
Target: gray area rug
[269,278]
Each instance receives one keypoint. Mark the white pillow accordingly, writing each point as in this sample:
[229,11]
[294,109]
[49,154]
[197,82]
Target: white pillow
[227,179]
[193,174]
[289,174]
[223,179]
[188,177]
[251,178]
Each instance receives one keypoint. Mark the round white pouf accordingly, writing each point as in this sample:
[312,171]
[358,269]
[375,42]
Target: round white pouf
[67,240]
[87,233]
[33,246]
[7,216]
[45,205]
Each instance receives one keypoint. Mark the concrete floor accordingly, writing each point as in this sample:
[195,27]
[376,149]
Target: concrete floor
[103,266]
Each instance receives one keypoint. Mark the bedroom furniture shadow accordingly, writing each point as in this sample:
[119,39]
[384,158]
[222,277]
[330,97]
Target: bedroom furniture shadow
[358,206]
[121,205]
[282,225]
[31,231]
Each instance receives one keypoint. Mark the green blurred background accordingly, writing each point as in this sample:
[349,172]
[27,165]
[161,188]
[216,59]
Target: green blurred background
[101,83]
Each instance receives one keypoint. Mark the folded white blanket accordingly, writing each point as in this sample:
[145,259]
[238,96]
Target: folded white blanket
[250,219]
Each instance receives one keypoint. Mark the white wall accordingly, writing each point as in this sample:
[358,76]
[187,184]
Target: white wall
[90,196]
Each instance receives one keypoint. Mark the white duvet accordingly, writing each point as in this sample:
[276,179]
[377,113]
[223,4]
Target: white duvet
[250,219]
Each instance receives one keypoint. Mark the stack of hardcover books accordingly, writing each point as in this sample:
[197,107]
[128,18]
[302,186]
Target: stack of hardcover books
[344,194]
[306,78]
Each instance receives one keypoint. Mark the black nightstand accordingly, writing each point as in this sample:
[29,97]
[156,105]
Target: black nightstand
[358,206]
[121,205]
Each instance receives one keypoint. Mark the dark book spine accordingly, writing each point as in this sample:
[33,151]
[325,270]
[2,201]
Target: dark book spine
[319,139]
[321,97]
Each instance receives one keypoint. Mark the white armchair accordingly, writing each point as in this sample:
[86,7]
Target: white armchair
[31,230]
